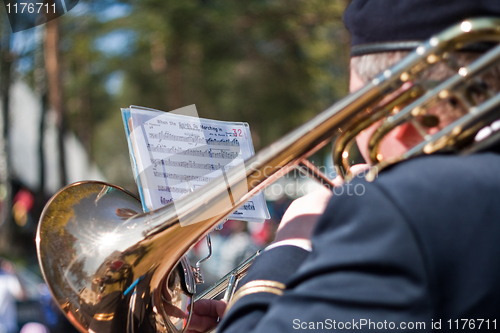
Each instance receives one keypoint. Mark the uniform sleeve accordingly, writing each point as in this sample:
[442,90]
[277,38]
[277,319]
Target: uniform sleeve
[366,272]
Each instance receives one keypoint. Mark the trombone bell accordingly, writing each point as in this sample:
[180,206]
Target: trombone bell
[101,266]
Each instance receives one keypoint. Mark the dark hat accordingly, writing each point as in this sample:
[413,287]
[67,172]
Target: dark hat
[395,25]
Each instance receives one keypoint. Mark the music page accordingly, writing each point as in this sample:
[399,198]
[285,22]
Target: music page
[174,154]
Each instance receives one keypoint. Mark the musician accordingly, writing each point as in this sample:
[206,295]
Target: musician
[418,249]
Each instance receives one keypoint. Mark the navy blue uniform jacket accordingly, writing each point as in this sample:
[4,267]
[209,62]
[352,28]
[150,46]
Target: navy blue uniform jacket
[420,245]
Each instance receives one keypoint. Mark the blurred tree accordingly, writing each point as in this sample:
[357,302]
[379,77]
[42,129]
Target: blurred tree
[6,58]
[272,63]
[55,91]
[86,70]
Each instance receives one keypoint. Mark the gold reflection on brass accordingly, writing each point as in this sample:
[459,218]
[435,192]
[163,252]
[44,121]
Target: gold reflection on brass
[104,316]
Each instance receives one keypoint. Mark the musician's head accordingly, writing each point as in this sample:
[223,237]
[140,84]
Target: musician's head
[384,31]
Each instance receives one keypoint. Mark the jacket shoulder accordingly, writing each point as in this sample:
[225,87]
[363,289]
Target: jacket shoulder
[452,205]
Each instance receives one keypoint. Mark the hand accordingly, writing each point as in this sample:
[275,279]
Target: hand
[355,169]
[206,313]
[300,218]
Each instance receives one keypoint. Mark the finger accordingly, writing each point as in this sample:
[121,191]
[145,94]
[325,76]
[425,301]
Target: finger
[311,203]
[338,181]
[354,171]
[209,307]
[358,168]
[201,324]
[205,315]
[220,307]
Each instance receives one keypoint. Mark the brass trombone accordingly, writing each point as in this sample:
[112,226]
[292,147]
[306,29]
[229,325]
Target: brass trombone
[112,269]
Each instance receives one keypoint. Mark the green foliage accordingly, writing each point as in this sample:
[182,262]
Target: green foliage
[272,63]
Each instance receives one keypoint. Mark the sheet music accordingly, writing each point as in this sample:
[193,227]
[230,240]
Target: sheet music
[175,154]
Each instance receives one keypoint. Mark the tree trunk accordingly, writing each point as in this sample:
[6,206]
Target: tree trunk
[5,184]
[55,93]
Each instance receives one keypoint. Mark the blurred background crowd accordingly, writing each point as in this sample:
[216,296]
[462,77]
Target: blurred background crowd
[271,63]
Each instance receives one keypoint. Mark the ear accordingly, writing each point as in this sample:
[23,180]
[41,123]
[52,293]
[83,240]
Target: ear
[355,81]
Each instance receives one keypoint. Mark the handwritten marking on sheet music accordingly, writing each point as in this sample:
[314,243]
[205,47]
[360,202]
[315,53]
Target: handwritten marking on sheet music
[249,206]
[238,132]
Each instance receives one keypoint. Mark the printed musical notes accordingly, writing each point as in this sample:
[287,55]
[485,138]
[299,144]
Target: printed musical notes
[174,154]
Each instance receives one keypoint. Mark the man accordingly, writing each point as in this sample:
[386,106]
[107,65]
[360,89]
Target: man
[418,250]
